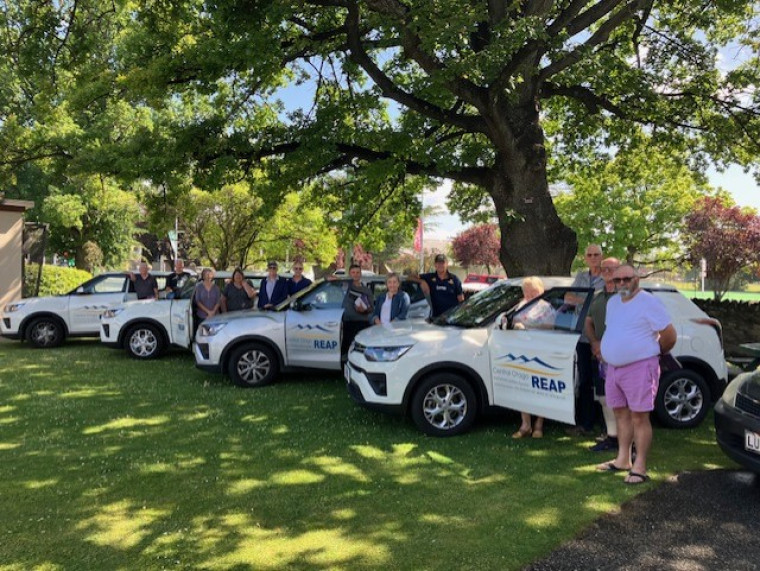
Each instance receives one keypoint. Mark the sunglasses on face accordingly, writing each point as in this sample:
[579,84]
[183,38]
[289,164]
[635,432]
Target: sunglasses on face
[622,280]
[296,269]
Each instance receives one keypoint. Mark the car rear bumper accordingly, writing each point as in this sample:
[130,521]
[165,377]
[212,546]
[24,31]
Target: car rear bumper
[730,428]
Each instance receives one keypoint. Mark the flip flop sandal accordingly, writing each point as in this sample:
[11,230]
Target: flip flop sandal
[644,478]
[610,467]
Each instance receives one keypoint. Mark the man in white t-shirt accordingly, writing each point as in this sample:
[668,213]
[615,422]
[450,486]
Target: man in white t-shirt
[638,330]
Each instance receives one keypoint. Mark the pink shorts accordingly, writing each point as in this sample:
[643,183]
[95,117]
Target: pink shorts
[633,386]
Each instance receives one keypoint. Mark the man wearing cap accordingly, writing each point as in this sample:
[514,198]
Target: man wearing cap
[443,288]
[273,289]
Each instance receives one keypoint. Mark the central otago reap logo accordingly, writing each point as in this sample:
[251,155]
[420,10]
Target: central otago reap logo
[523,363]
[321,337]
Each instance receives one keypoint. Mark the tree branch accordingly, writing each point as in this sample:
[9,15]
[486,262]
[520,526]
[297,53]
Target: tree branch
[601,35]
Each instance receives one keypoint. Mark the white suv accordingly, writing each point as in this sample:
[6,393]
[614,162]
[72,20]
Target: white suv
[47,321]
[145,329]
[444,373]
[254,346]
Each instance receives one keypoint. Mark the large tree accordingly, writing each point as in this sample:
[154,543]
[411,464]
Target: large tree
[397,90]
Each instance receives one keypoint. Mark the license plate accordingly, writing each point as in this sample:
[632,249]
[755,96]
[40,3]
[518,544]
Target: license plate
[347,373]
[752,441]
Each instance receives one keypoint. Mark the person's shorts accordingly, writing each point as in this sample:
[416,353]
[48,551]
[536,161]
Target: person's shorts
[633,386]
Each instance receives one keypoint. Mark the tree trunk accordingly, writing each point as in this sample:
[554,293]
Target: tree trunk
[534,241]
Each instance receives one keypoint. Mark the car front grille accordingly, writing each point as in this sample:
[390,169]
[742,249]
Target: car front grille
[746,404]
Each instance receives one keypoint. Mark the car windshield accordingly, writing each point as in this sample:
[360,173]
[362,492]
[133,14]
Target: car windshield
[482,307]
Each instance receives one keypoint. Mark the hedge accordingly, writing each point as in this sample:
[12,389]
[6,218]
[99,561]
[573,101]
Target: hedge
[55,279]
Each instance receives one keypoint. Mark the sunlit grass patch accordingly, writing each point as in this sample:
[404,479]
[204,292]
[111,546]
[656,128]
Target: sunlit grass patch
[111,463]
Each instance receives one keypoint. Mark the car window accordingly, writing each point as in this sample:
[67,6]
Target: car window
[105,284]
[563,317]
[326,295]
[414,290]
[483,307]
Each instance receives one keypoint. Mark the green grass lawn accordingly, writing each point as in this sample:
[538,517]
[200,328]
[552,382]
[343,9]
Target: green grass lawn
[110,463]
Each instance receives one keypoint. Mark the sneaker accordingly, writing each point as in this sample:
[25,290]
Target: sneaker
[605,445]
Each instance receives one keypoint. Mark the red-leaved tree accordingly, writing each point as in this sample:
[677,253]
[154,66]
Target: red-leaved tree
[477,246]
[726,237]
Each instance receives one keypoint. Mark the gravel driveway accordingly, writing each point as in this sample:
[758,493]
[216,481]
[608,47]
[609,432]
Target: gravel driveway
[697,521]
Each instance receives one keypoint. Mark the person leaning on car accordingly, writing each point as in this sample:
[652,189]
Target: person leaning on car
[177,278]
[357,307]
[146,286]
[443,288]
[393,304]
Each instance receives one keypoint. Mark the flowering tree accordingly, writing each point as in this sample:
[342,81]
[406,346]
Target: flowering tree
[726,236]
[478,246]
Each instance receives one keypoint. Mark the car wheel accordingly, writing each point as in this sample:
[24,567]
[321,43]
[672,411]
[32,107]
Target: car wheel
[682,399]
[144,342]
[45,332]
[253,365]
[444,405]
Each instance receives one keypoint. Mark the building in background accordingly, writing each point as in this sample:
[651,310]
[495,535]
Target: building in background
[12,247]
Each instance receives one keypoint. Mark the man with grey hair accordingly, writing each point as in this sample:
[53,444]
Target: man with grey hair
[144,284]
[638,331]
[594,328]
[591,277]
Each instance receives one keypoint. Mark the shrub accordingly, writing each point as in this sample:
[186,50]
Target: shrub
[55,279]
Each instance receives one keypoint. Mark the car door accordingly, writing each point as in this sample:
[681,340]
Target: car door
[313,326]
[92,298]
[181,314]
[533,369]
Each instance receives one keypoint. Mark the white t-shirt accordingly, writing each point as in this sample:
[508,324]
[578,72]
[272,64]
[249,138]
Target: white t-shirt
[632,329]
[385,310]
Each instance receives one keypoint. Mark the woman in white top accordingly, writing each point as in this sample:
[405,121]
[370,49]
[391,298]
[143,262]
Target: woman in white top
[393,304]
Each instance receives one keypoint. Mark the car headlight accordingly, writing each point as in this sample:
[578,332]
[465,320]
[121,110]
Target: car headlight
[109,313]
[384,354]
[11,307]
[211,329]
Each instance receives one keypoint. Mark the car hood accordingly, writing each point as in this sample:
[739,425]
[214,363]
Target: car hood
[237,316]
[406,332]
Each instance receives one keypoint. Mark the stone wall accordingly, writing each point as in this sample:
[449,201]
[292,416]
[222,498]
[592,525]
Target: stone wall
[740,320]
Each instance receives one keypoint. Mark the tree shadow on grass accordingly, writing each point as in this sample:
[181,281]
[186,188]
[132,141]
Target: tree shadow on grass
[112,463]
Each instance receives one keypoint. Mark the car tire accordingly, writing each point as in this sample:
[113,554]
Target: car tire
[683,399]
[45,332]
[444,405]
[144,342]
[253,365]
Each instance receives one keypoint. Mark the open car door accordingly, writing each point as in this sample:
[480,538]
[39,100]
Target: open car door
[533,369]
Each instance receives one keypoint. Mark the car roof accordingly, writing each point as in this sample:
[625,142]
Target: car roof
[567,281]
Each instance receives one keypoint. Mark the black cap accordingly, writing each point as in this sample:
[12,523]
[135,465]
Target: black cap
[272,265]
[440,258]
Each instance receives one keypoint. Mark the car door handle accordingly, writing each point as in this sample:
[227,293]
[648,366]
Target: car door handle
[332,323]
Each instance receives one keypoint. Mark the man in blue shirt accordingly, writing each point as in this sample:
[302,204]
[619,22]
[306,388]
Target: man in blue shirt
[274,289]
[443,288]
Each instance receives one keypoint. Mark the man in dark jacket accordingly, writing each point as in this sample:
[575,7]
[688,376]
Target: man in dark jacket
[273,289]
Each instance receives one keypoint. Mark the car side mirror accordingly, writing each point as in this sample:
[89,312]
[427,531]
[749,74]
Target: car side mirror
[503,321]
[298,305]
